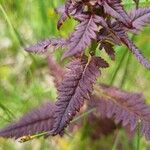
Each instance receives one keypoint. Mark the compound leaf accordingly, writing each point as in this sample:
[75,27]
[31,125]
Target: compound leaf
[125,107]
[43,46]
[38,120]
[140,17]
[85,31]
[76,86]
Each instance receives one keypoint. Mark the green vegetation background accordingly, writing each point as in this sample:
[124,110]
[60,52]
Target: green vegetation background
[25,81]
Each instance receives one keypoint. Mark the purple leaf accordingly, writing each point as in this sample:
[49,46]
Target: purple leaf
[115,9]
[76,86]
[125,107]
[136,52]
[83,35]
[43,46]
[108,47]
[120,32]
[140,17]
[38,120]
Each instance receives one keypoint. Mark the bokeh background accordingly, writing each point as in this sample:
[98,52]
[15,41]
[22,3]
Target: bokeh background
[25,80]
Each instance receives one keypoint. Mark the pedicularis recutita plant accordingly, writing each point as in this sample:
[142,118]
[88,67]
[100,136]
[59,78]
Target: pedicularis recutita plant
[102,24]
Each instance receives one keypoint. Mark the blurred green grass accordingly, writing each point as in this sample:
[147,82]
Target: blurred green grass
[25,81]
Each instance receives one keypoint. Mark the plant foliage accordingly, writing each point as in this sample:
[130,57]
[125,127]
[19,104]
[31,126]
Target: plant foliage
[124,107]
[102,24]
[38,120]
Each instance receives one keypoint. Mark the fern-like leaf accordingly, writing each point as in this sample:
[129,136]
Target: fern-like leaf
[76,86]
[43,46]
[107,36]
[67,6]
[120,32]
[115,9]
[108,47]
[140,17]
[125,107]
[38,120]
[61,10]
[136,52]
[84,33]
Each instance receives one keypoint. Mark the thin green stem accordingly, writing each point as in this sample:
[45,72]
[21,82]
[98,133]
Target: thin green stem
[116,140]
[138,137]
[125,71]
[82,115]
[13,31]
[118,67]
[7,111]
[8,21]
